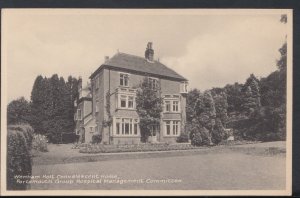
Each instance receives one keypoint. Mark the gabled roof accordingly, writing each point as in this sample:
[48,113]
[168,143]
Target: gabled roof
[139,64]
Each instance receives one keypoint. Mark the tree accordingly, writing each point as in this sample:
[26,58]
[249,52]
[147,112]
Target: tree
[38,113]
[251,95]
[149,104]
[18,111]
[234,97]
[192,102]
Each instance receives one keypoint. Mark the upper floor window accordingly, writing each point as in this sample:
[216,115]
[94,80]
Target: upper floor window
[171,104]
[124,79]
[153,83]
[97,106]
[126,101]
[184,87]
[79,116]
[97,82]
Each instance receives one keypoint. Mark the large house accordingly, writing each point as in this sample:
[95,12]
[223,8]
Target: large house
[113,94]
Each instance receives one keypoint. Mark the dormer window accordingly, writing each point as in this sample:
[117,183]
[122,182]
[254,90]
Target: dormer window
[184,87]
[124,79]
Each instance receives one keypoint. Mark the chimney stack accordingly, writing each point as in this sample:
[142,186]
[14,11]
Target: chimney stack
[106,58]
[149,53]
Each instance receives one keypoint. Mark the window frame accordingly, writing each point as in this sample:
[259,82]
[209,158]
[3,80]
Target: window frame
[184,87]
[153,81]
[79,118]
[172,101]
[121,123]
[123,79]
[125,98]
[172,126]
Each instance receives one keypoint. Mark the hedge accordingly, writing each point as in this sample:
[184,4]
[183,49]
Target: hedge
[19,162]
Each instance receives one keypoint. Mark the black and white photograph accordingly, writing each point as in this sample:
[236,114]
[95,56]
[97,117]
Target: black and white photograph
[146,101]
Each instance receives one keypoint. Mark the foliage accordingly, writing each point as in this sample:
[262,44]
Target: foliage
[107,122]
[221,107]
[192,97]
[219,133]
[18,111]
[149,104]
[96,138]
[100,148]
[251,95]
[183,137]
[52,106]
[19,162]
[234,98]
[200,137]
[40,143]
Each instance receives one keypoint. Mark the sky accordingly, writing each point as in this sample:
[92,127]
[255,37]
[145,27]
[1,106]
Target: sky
[210,49]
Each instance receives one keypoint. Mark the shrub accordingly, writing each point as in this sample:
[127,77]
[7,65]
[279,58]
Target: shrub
[96,139]
[200,137]
[40,143]
[184,137]
[19,162]
[219,133]
[27,131]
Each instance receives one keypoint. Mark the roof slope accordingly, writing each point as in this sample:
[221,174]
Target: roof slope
[140,64]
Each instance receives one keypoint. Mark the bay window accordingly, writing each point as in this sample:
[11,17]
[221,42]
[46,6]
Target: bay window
[171,105]
[126,127]
[126,101]
[172,127]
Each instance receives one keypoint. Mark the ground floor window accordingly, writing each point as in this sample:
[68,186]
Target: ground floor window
[172,127]
[126,127]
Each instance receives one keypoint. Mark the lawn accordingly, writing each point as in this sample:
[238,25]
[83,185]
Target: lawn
[244,167]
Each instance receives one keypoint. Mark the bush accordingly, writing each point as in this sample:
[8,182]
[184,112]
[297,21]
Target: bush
[96,139]
[184,137]
[40,143]
[200,137]
[19,162]
[219,133]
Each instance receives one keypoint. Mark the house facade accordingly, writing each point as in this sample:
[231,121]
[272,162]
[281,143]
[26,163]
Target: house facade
[85,125]
[113,97]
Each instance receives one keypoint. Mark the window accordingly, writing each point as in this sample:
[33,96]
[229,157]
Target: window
[175,127]
[175,106]
[126,101]
[77,132]
[79,117]
[97,82]
[123,101]
[126,127]
[167,106]
[124,78]
[184,87]
[153,83]
[172,127]
[97,106]
[168,127]
[91,129]
[130,102]
[172,104]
